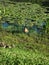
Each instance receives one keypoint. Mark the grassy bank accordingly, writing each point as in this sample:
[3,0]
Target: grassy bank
[22,57]
[26,52]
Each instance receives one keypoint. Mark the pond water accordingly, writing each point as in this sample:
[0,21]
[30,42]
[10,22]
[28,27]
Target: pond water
[39,29]
[43,23]
[5,24]
[8,24]
[34,27]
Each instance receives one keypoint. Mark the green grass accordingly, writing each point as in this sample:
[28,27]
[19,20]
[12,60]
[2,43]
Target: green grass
[26,51]
[18,56]
[21,11]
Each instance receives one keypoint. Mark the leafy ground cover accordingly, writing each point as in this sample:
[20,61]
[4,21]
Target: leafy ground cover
[26,51]
[32,49]
[21,57]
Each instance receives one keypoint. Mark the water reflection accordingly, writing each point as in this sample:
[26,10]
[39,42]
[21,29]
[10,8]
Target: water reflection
[5,24]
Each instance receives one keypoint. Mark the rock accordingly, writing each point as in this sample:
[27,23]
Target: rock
[13,46]
[26,30]
[9,47]
[2,44]
[5,46]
